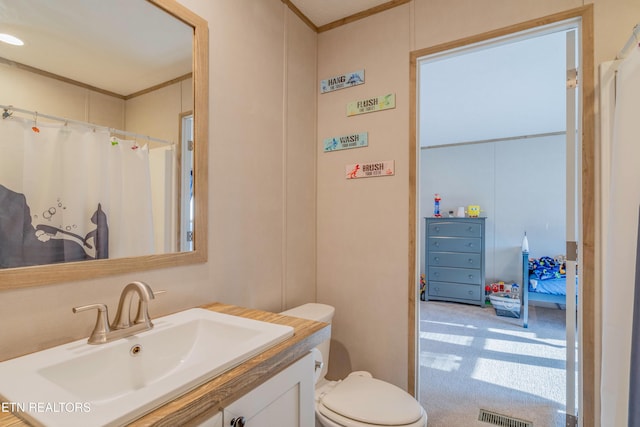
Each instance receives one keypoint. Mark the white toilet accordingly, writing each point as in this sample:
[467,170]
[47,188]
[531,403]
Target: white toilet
[359,400]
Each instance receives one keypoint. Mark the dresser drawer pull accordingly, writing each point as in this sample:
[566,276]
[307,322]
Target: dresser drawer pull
[470,260]
[470,228]
[471,276]
[470,244]
[436,259]
[470,292]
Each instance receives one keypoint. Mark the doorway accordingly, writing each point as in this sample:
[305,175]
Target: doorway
[585,232]
[185,183]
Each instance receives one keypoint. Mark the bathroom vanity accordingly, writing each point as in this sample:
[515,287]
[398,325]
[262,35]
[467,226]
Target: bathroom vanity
[274,387]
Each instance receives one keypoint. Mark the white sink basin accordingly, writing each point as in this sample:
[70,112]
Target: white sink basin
[78,384]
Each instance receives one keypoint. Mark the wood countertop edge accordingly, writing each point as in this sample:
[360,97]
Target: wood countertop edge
[207,399]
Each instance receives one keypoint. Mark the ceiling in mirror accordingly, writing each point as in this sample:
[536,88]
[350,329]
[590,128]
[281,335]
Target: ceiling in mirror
[141,46]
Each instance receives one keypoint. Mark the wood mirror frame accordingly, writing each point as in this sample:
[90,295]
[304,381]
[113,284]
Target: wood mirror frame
[12,278]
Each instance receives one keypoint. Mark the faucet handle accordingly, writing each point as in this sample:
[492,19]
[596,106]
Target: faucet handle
[101,329]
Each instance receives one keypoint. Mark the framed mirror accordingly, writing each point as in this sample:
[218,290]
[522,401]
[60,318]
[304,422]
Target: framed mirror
[154,22]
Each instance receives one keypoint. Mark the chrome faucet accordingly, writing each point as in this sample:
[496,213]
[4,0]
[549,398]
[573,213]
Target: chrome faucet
[122,325]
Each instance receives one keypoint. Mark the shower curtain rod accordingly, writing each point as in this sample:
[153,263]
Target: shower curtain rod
[631,43]
[9,109]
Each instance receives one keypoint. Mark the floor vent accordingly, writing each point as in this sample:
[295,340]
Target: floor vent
[502,420]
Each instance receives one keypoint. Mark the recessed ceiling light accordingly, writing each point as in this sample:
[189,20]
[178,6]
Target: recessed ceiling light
[8,38]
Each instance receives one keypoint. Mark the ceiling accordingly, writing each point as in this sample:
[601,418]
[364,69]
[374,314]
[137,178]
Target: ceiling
[322,12]
[120,46]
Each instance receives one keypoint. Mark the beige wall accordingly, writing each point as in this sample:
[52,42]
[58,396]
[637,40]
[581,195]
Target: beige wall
[264,178]
[157,113]
[261,189]
[35,92]
[363,224]
[262,158]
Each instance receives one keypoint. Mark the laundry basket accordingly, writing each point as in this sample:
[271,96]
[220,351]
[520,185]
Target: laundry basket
[505,304]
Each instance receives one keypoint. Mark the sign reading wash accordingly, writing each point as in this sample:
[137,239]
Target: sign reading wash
[370,105]
[342,81]
[355,140]
[368,170]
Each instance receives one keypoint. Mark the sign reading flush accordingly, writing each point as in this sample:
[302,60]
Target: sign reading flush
[368,170]
[370,105]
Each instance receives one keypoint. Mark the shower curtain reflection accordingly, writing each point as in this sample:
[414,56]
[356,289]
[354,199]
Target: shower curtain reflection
[71,193]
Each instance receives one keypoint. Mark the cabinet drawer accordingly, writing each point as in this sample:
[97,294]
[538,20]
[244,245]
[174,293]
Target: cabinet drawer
[454,290]
[452,259]
[455,229]
[470,276]
[454,244]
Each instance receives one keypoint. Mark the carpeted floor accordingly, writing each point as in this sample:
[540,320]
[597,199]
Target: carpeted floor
[471,359]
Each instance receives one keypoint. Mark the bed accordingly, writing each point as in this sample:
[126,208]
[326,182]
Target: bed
[544,279]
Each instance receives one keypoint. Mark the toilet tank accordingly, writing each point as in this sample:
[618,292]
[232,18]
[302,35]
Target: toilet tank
[319,313]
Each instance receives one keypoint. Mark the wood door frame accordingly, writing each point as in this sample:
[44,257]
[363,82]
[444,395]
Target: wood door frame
[590,371]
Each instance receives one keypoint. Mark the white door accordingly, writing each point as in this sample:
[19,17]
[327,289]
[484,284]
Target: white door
[186,185]
[573,219]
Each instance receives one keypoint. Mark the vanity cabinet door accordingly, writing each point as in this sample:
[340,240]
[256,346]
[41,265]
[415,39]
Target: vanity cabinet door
[285,400]
[214,421]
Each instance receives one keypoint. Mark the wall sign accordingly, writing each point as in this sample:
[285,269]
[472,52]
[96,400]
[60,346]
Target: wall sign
[355,140]
[342,81]
[370,105]
[368,170]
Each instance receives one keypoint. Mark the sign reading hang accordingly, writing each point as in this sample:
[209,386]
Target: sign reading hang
[342,81]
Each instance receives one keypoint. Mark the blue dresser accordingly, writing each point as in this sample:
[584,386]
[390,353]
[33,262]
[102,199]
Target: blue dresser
[455,259]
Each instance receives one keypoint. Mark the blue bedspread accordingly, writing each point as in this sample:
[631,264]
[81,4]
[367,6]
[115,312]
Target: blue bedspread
[546,268]
[548,286]
[547,276]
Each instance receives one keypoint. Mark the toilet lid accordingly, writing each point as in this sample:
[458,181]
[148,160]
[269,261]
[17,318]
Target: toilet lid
[372,401]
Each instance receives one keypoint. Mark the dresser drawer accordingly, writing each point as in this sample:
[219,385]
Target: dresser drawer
[454,244]
[469,276]
[454,291]
[455,259]
[455,229]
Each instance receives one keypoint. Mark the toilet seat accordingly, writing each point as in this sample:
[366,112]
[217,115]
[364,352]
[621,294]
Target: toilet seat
[362,401]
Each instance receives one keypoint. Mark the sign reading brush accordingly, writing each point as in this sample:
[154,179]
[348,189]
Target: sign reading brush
[368,170]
